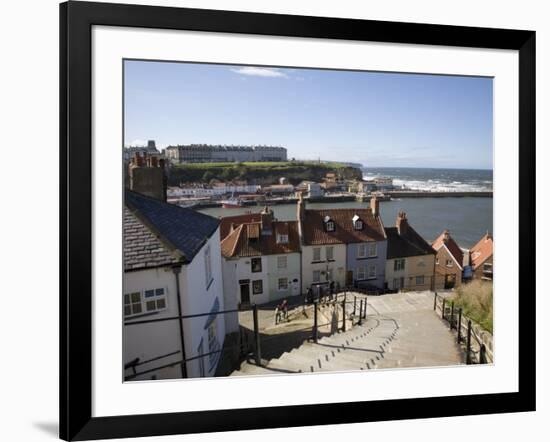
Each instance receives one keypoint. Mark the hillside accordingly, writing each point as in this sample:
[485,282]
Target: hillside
[259,173]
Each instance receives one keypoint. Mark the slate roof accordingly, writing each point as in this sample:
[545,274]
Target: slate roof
[142,248]
[242,241]
[406,245]
[345,233]
[481,251]
[226,221]
[452,246]
[176,234]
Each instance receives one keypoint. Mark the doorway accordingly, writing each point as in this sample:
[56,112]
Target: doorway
[450,281]
[245,292]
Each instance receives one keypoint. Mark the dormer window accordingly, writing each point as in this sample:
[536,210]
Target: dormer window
[357,223]
[329,224]
[282,239]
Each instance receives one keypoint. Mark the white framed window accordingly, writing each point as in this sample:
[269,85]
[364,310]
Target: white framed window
[361,273]
[207,266]
[437,261]
[316,276]
[330,226]
[257,287]
[399,264]
[420,280]
[283,284]
[330,253]
[145,301]
[362,251]
[372,271]
[372,249]
[358,225]
[449,262]
[281,262]
[212,342]
[282,239]
[316,253]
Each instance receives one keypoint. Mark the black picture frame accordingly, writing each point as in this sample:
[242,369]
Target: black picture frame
[76,21]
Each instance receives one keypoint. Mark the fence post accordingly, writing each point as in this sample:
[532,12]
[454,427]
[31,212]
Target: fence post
[443,309]
[459,327]
[354,305]
[315,334]
[469,343]
[361,312]
[258,352]
[366,303]
[435,300]
[482,356]
[344,315]
[452,314]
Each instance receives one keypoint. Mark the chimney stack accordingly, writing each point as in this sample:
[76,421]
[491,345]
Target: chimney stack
[300,208]
[402,223]
[267,221]
[446,235]
[375,206]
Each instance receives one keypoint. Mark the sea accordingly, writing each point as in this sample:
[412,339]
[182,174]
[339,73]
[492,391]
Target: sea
[467,218]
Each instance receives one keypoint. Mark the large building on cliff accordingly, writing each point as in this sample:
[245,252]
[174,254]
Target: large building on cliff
[206,153]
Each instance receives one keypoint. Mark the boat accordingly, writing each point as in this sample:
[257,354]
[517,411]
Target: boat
[232,203]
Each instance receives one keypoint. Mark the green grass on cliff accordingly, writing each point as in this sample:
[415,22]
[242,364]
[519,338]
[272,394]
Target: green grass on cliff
[259,172]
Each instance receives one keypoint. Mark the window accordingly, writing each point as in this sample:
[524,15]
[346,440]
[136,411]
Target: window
[282,239]
[361,273]
[329,224]
[317,254]
[362,251]
[436,261]
[256,265]
[329,274]
[257,287]
[281,262]
[372,271]
[132,304]
[358,225]
[330,253]
[372,249]
[148,301]
[316,276]
[283,284]
[420,280]
[399,264]
[207,266]
[449,263]
[212,343]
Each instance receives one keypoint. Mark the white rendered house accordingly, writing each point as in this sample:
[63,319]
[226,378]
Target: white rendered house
[172,268]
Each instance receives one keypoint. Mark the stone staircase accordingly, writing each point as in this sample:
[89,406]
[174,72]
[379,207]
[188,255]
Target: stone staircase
[381,342]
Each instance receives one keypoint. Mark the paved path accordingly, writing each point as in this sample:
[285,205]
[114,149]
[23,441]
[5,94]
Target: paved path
[401,330]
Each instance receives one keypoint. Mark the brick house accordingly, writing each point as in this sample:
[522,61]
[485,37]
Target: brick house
[448,262]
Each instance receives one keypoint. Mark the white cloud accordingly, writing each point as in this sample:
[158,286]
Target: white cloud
[260,72]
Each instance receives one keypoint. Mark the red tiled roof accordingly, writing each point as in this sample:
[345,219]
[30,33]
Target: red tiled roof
[452,246]
[344,233]
[225,222]
[241,243]
[481,251]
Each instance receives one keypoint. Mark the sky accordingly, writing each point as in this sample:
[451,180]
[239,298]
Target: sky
[377,119]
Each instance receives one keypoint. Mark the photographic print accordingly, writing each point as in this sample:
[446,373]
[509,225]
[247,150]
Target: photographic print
[283,221]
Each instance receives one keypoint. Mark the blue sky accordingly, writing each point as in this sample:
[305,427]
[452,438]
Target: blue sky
[378,119]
